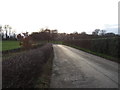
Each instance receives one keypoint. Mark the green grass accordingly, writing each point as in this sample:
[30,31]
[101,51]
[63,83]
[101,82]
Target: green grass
[56,42]
[8,45]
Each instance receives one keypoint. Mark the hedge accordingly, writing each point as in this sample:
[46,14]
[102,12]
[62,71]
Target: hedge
[108,46]
[21,71]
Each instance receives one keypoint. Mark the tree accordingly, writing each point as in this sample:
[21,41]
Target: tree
[96,32]
[10,31]
[102,32]
[6,27]
[0,28]
[53,34]
[13,34]
[110,34]
[1,33]
[75,32]
[25,40]
[83,33]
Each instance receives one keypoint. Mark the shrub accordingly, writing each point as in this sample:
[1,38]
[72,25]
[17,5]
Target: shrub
[23,70]
[25,41]
[108,46]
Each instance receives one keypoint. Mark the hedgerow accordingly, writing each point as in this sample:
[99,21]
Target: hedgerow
[108,46]
[23,70]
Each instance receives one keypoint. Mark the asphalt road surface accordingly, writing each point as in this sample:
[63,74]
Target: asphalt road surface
[73,68]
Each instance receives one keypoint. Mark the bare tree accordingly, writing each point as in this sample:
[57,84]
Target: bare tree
[6,29]
[96,32]
[1,32]
[10,30]
[0,28]
[102,32]
[83,33]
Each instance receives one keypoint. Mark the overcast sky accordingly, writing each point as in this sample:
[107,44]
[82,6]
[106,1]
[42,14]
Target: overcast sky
[64,15]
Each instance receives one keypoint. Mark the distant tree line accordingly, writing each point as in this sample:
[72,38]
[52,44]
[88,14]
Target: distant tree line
[97,33]
[44,35]
[53,35]
[26,40]
[6,33]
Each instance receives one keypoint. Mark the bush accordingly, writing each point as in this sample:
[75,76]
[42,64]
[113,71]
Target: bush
[108,46]
[23,70]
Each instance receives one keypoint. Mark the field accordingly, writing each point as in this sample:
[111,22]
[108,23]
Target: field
[8,45]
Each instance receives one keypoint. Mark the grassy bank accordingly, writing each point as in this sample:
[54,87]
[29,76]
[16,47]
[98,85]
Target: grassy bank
[44,80]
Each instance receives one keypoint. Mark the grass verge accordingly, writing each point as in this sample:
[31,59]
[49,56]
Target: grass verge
[44,80]
[56,42]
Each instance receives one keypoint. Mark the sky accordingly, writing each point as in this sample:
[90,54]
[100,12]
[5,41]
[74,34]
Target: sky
[64,15]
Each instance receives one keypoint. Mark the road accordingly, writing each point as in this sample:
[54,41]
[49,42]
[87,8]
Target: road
[73,68]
